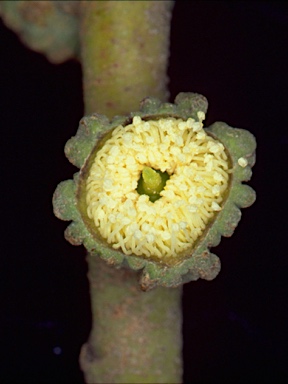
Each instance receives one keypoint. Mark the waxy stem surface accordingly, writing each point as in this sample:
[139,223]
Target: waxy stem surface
[136,337]
[124,50]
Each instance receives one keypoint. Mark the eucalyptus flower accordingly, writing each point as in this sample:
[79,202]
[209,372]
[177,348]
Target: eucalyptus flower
[156,190]
[48,27]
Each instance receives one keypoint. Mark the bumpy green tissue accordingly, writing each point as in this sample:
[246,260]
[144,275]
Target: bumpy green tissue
[48,27]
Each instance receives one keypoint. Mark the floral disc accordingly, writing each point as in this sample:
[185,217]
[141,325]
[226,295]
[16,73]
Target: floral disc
[156,190]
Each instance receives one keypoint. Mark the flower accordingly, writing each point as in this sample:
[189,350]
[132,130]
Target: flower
[49,27]
[156,190]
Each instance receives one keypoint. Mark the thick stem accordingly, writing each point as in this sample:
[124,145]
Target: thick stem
[136,336]
[125,46]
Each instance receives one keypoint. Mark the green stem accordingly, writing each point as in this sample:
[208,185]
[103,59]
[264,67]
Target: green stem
[136,336]
[124,53]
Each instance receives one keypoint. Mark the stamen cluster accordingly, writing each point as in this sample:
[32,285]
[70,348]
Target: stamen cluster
[199,174]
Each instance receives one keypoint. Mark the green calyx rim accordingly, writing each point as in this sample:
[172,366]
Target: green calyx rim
[200,262]
[48,27]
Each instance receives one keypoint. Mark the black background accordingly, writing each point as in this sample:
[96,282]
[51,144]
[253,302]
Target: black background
[235,327]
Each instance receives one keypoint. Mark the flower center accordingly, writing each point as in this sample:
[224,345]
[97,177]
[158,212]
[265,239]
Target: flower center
[155,185]
[151,183]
